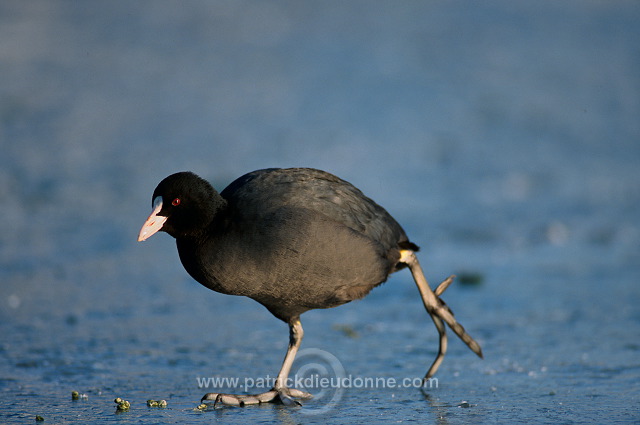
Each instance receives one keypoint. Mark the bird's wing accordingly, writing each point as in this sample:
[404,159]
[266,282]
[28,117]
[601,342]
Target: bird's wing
[315,190]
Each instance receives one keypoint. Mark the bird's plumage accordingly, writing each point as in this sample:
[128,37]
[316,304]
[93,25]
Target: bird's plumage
[293,240]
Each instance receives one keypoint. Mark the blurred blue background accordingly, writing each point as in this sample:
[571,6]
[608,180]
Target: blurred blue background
[504,136]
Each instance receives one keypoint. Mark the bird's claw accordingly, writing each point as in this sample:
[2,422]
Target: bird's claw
[286,396]
[441,314]
[444,313]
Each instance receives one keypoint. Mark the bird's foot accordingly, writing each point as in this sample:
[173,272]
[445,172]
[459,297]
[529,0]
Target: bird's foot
[441,314]
[286,396]
[444,313]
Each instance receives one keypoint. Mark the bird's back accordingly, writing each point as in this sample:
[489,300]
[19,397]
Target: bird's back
[262,191]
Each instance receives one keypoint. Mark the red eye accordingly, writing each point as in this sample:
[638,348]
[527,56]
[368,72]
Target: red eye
[175,202]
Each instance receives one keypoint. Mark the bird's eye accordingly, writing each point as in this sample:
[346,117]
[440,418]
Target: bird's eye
[175,202]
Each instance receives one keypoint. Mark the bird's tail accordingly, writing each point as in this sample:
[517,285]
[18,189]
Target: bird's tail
[438,310]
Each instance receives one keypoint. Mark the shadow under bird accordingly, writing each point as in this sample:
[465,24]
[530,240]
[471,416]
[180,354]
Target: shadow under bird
[293,240]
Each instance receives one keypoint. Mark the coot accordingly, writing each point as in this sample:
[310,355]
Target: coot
[293,240]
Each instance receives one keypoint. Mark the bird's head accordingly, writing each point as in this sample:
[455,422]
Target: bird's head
[184,205]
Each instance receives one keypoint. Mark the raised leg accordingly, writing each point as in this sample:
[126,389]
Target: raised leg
[280,391]
[438,310]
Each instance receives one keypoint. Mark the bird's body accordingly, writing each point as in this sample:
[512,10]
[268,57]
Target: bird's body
[310,241]
[293,240]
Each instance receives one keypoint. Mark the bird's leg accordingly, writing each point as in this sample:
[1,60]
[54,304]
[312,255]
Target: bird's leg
[280,391]
[287,395]
[438,310]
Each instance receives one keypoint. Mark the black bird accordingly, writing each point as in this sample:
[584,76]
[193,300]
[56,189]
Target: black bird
[293,240]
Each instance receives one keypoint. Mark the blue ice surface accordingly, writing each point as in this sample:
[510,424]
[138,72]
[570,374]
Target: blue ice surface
[504,136]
